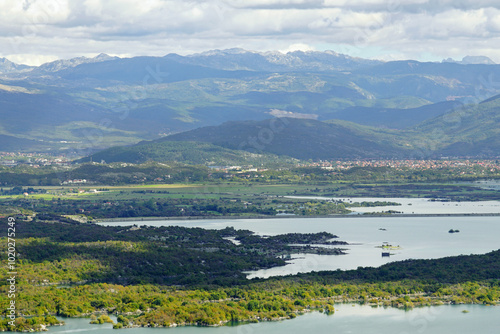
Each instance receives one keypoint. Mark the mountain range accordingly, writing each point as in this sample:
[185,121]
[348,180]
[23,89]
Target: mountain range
[360,107]
[464,131]
[298,138]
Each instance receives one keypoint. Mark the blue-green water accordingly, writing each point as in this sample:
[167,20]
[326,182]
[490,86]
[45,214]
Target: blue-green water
[419,205]
[348,318]
[419,238]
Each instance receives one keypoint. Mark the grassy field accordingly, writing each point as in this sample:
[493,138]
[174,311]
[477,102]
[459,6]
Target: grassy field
[248,189]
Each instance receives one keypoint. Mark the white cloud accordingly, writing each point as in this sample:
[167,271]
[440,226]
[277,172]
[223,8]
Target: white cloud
[48,29]
[31,59]
[493,22]
[297,47]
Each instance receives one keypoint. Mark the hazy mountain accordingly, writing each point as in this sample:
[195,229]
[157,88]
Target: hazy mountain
[6,66]
[62,64]
[93,103]
[239,59]
[468,60]
[396,118]
[435,82]
[11,143]
[143,71]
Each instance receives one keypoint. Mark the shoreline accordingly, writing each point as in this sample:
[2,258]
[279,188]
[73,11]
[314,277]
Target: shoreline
[187,218]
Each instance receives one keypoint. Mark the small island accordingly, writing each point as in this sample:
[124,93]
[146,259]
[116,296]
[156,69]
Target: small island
[453,231]
[387,245]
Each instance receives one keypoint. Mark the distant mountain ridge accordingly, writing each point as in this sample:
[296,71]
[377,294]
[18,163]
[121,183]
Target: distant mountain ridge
[239,59]
[469,60]
[6,66]
[87,104]
[63,64]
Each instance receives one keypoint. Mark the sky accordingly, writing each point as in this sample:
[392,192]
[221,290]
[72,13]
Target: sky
[37,31]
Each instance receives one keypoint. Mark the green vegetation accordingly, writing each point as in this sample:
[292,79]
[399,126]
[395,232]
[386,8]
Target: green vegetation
[103,318]
[225,199]
[116,174]
[20,191]
[166,255]
[298,138]
[103,174]
[194,153]
[156,204]
[172,275]
[276,299]
[99,191]
[465,131]
[36,323]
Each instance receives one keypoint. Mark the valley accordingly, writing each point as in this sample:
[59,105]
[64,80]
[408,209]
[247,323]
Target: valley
[272,166]
[146,191]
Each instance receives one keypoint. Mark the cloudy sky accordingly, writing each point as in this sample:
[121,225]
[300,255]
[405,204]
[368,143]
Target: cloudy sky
[37,31]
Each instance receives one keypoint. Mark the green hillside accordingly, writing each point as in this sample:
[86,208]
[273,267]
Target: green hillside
[394,118]
[10,143]
[465,131]
[297,138]
[196,153]
[468,131]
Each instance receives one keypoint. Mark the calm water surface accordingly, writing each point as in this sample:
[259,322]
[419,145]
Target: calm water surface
[418,205]
[418,237]
[348,318]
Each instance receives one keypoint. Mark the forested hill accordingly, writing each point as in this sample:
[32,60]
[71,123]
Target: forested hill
[472,131]
[187,152]
[259,142]
[298,138]
[464,131]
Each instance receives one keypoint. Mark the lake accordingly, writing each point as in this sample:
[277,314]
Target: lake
[348,318]
[418,205]
[418,237]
